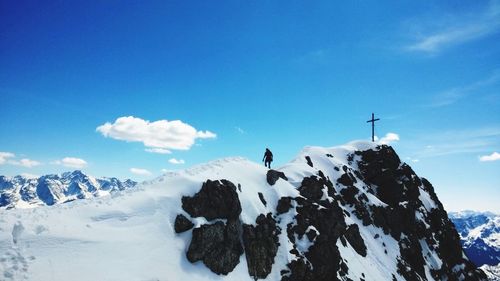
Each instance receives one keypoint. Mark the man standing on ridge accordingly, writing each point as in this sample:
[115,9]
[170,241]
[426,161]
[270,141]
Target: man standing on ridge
[268,158]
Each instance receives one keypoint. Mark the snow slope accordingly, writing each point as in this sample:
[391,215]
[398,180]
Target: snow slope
[130,235]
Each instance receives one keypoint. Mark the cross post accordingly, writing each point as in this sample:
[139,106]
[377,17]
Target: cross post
[373,125]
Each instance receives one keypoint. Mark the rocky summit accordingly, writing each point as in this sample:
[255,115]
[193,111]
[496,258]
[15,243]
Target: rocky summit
[352,212]
[364,205]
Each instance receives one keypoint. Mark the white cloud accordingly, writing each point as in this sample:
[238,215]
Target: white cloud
[458,29]
[453,95]
[495,156]
[29,176]
[240,130]
[164,134]
[389,138]
[413,160]
[4,156]
[71,162]
[158,150]
[441,143]
[176,162]
[25,162]
[205,135]
[140,172]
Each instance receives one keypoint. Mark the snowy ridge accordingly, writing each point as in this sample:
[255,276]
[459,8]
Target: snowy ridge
[480,235]
[492,271]
[352,212]
[29,192]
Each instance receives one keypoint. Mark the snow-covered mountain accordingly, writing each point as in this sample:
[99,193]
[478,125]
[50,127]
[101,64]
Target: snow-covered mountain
[23,192]
[480,235]
[492,271]
[353,212]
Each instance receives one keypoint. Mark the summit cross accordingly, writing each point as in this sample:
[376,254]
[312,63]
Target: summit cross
[373,125]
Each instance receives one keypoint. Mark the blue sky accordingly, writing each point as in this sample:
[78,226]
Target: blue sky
[245,75]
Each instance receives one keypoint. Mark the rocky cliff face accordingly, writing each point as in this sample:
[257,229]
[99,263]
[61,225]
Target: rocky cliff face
[359,214]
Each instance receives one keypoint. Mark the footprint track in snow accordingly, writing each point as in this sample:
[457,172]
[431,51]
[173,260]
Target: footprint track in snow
[13,264]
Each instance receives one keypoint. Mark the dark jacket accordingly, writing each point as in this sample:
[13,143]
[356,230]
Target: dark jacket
[268,156]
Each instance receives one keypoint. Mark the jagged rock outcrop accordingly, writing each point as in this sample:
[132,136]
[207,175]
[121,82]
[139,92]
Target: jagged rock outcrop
[322,259]
[284,204]
[182,224]
[218,245]
[397,185]
[355,240]
[261,245]
[273,176]
[215,200]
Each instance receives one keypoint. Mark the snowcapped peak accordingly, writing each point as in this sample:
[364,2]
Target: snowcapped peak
[24,192]
[480,235]
[351,212]
[78,174]
[470,213]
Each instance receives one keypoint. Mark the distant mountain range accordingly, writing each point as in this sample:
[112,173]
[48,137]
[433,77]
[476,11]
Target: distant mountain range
[480,237]
[26,192]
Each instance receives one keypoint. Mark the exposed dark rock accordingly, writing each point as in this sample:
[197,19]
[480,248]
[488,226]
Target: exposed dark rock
[344,270]
[379,168]
[215,200]
[262,199]
[261,245]
[311,234]
[361,210]
[284,204]
[300,270]
[411,263]
[343,241]
[312,188]
[329,155]
[272,176]
[325,259]
[182,224]
[346,179]
[350,158]
[358,244]
[430,189]
[395,220]
[328,219]
[217,245]
[349,194]
[309,162]
[396,184]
